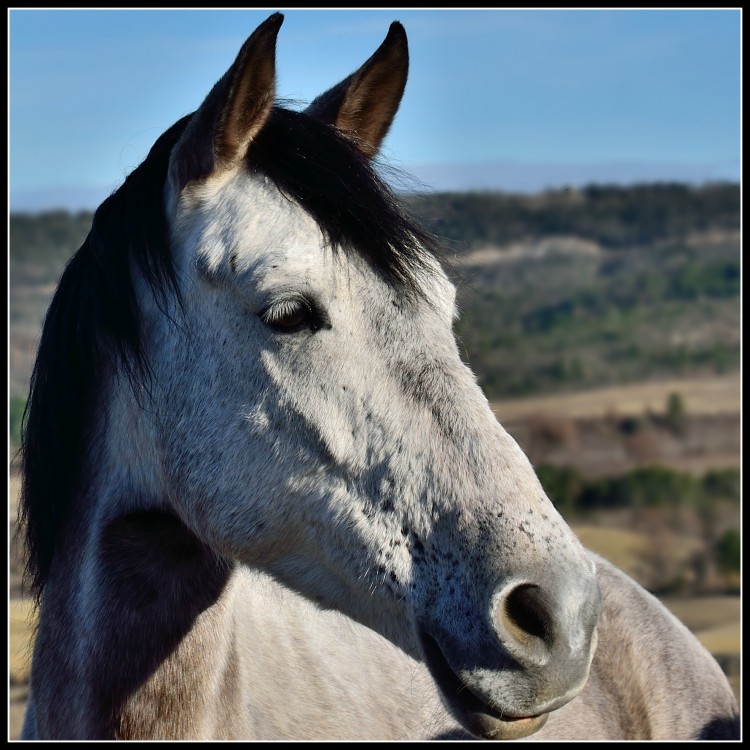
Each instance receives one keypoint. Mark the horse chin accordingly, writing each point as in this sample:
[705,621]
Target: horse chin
[479,718]
[493,728]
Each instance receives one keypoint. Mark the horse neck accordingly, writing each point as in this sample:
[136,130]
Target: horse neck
[135,635]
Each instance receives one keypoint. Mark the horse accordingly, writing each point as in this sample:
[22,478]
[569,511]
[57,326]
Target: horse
[264,497]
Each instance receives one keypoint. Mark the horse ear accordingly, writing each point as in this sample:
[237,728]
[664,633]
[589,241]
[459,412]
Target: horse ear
[234,111]
[363,105]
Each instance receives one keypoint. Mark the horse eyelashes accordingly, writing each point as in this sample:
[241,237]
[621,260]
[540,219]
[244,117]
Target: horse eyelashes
[292,315]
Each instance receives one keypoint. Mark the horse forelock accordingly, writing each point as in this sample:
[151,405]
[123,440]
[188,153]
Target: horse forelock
[335,183]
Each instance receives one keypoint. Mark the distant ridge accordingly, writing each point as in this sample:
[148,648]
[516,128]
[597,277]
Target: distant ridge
[64,198]
[503,176]
[520,177]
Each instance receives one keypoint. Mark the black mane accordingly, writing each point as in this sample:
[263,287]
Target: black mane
[92,324]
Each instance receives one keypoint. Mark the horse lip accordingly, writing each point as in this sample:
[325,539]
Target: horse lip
[474,713]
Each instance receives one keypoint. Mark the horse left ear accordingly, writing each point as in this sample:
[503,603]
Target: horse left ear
[220,131]
[363,105]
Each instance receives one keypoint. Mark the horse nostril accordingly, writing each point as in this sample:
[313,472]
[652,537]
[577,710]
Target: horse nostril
[547,625]
[525,624]
[525,612]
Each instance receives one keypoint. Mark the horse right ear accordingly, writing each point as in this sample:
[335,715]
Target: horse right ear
[362,106]
[220,131]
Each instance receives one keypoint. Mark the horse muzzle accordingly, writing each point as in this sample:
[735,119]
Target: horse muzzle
[534,659]
[474,713]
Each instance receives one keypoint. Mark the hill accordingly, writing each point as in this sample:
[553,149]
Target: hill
[559,292]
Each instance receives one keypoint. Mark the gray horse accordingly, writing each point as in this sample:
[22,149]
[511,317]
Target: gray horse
[248,409]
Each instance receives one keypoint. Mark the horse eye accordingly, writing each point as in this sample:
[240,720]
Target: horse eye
[289,316]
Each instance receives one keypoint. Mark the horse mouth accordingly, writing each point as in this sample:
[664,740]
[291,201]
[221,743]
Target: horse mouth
[473,712]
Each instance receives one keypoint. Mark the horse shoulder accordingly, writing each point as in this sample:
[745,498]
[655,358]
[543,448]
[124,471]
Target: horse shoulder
[650,678]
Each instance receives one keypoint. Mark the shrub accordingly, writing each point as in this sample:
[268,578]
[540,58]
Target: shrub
[729,551]
[646,486]
[676,416]
[16,408]
[721,483]
[563,485]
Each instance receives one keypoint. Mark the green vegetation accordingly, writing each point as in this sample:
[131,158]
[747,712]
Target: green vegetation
[721,483]
[643,487]
[40,245]
[571,322]
[614,217]
[563,485]
[15,416]
[729,551]
[676,418]
[650,486]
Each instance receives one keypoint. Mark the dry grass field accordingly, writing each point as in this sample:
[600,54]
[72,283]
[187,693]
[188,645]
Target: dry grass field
[20,630]
[701,396]
[14,488]
[622,547]
[21,626]
[612,431]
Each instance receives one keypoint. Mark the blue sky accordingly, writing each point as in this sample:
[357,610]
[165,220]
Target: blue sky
[514,100]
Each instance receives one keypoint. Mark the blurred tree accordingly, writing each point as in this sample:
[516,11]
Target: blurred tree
[729,551]
[676,415]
